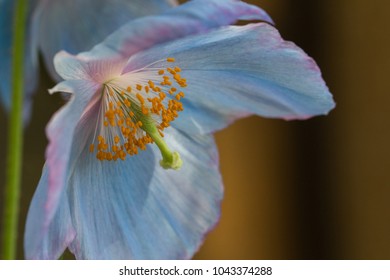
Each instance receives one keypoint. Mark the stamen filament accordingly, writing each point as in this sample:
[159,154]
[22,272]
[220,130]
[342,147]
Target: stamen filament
[136,108]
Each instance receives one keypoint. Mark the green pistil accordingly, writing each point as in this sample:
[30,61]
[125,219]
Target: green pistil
[170,160]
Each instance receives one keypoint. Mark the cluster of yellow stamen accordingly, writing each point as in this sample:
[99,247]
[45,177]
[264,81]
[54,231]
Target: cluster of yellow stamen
[135,115]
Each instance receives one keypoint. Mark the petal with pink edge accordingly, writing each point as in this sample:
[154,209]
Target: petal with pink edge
[233,72]
[78,25]
[47,239]
[134,209]
[193,17]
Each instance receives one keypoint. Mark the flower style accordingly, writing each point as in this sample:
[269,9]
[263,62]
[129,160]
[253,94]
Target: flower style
[132,167]
[71,25]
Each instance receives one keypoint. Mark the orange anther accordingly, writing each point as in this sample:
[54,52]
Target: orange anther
[145,110]
[127,102]
[140,98]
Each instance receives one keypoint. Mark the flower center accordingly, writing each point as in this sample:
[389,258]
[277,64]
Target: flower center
[135,110]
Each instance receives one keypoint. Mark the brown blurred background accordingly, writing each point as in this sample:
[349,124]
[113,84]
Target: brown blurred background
[317,189]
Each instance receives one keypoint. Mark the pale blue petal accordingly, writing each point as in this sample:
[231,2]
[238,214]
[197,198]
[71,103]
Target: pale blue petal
[45,239]
[237,71]
[30,59]
[48,229]
[192,17]
[206,9]
[60,132]
[77,67]
[134,209]
[78,25]
[48,202]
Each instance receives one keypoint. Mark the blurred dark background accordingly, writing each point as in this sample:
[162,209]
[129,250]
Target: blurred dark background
[316,189]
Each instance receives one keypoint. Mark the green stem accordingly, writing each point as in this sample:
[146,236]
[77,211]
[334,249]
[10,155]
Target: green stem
[15,135]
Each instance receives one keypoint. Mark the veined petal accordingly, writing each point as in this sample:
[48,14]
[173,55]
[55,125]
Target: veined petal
[49,228]
[55,28]
[76,67]
[60,132]
[227,9]
[134,209]
[45,239]
[30,57]
[192,17]
[237,71]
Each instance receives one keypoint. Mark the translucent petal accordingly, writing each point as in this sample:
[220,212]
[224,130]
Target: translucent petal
[78,25]
[60,132]
[99,70]
[190,18]
[134,209]
[237,71]
[44,239]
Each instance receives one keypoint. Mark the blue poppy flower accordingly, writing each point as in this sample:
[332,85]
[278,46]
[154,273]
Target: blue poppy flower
[72,25]
[132,167]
